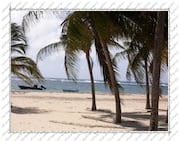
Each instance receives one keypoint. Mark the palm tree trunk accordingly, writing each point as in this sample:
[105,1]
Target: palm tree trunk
[114,85]
[159,37]
[147,86]
[93,108]
[166,120]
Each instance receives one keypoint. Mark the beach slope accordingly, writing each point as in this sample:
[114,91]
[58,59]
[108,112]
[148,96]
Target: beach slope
[61,112]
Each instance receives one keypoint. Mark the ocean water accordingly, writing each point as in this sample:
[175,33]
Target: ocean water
[83,86]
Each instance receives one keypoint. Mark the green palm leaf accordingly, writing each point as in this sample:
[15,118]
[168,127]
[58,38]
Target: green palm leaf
[22,66]
[49,49]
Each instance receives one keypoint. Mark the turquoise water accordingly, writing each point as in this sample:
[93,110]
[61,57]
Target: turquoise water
[57,85]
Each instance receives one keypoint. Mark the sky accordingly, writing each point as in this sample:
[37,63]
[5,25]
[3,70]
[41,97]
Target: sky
[47,31]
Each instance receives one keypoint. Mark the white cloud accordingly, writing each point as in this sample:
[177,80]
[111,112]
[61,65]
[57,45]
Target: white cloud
[42,35]
[17,16]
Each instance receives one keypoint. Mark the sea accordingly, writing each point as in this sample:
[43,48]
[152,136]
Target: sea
[84,86]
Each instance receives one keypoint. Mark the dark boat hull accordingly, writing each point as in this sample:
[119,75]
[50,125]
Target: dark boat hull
[65,90]
[31,88]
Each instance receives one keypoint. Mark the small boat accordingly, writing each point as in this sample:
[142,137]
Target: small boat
[67,90]
[32,88]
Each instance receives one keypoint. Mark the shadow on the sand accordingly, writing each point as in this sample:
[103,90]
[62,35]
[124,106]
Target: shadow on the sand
[84,125]
[27,110]
[105,114]
[136,115]
[135,125]
[96,119]
[132,123]
[139,115]
[132,120]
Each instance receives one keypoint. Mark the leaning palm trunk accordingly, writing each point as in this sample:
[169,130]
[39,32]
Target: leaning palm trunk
[114,85]
[112,79]
[147,86]
[159,37]
[93,108]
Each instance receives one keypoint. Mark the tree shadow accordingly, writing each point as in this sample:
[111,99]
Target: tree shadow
[107,113]
[136,115]
[163,126]
[132,123]
[96,119]
[135,125]
[84,125]
[160,110]
[163,110]
[101,110]
[140,115]
[104,111]
[132,119]
[27,110]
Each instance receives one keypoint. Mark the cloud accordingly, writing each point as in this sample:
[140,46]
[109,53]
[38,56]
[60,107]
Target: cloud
[17,16]
[45,32]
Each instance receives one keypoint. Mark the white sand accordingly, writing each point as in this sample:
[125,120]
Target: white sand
[47,111]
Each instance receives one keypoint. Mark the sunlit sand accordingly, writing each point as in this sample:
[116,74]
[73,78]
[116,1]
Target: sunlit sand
[59,112]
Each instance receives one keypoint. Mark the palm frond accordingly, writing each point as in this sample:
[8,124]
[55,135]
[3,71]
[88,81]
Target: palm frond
[24,77]
[49,49]
[18,39]
[24,66]
[115,44]
[17,34]
[19,48]
[33,17]
[75,39]
[71,64]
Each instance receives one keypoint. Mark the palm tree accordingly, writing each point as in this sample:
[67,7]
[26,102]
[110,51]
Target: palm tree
[97,22]
[82,38]
[138,52]
[144,43]
[22,66]
[102,38]
[138,60]
[148,44]
[140,49]
[87,19]
[159,56]
[158,43]
[82,41]
[75,39]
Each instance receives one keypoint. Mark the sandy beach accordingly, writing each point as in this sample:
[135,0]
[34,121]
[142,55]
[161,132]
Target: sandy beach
[60,112]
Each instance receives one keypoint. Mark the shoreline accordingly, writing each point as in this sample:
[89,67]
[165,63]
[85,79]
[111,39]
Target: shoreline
[97,92]
[71,112]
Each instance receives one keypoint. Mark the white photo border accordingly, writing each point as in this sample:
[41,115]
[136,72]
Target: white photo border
[5,133]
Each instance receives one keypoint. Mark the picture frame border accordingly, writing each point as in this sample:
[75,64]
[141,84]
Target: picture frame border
[171,7]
